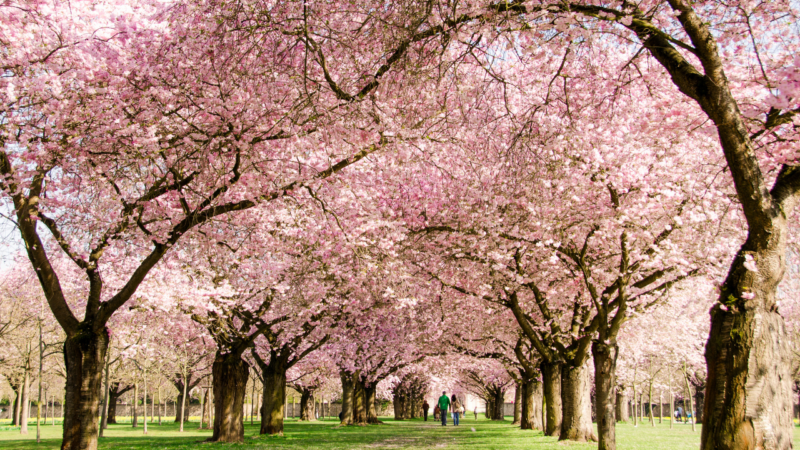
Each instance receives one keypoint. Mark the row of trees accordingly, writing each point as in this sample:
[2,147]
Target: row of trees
[512,180]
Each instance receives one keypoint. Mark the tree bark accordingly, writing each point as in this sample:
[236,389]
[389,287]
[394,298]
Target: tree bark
[113,397]
[26,404]
[525,391]
[622,407]
[273,398]
[348,390]
[517,406]
[207,410]
[135,404]
[538,405]
[307,405]
[229,380]
[576,405]
[551,380]
[183,418]
[605,378]
[17,404]
[359,402]
[106,394]
[179,385]
[372,405]
[399,401]
[84,358]
[650,404]
[497,404]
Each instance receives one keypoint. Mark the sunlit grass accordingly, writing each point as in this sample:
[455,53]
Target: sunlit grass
[327,435]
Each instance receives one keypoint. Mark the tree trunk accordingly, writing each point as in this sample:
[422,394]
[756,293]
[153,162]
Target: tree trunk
[359,402]
[622,407]
[179,385]
[526,390]
[135,403]
[84,358]
[538,405]
[689,396]
[183,416]
[576,405]
[205,407]
[348,389]
[17,405]
[497,403]
[650,404]
[107,397]
[273,399]
[749,381]
[398,400]
[517,406]
[307,406]
[113,397]
[144,405]
[229,380]
[605,374]
[26,404]
[372,406]
[253,401]
[551,380]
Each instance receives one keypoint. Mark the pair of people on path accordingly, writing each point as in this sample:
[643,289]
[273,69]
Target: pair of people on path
[445,403]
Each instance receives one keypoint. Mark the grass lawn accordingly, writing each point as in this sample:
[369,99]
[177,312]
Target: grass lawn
[327,435]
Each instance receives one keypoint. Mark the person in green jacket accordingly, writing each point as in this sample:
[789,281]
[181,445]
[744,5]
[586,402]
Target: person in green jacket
[444,403]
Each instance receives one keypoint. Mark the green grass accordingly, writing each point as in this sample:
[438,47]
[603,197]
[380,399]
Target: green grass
[327,435]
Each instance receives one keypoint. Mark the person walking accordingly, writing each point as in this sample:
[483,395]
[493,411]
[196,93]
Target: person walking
[436,412]
[425,407]
[456,409]
[475,411]
[444,405]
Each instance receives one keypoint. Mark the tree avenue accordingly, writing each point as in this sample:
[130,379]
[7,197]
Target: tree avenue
[244,202]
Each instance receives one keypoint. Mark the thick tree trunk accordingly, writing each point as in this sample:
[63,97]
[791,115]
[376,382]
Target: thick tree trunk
[84,358]
[524,399]
[517,406]
[273,399]
[622,407]
[576,405]
[372,405]
[497,404]
[307,406]
[538,405]
[359,402]
[551,380]
[229,379]
[399,402]
[348,389]
[605,378]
